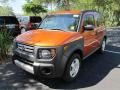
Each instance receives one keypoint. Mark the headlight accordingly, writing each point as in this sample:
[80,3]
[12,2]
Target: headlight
[46,53]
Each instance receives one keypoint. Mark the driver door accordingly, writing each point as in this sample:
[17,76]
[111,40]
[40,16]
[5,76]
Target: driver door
[89,34]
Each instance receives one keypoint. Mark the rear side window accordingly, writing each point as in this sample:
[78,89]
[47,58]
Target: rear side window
[11,20]
[88,20]
[35,19]
[99,19]
[1,21]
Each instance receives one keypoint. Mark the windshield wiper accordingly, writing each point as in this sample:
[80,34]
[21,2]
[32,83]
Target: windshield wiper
[54,29]
[57,29]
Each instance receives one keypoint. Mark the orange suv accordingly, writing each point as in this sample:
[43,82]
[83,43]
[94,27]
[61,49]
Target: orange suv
[61,42]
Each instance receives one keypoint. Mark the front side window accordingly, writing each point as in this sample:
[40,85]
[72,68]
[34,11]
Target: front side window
[89,20]
[66,22]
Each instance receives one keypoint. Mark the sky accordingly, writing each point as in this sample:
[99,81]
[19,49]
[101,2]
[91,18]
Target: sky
[16,5]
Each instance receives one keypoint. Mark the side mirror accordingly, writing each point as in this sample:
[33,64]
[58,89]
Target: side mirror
[89,27]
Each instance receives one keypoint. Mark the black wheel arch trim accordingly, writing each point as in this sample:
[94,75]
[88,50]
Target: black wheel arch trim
[74,47]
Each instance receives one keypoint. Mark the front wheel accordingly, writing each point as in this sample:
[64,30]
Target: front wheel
[72,68]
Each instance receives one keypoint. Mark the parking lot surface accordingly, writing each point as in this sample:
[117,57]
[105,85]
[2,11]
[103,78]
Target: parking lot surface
[98,72]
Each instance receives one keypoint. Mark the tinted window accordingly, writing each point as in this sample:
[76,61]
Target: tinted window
[88,20]
[26,19]
[11,20]
[8,20]
[35,19]
[1,21]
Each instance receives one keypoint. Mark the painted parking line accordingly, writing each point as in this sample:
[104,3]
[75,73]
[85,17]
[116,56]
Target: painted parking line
[112,51]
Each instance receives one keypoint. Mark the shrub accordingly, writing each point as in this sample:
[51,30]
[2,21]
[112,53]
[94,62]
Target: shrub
[5,42]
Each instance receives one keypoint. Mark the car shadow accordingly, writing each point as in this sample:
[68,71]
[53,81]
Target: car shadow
[94,69]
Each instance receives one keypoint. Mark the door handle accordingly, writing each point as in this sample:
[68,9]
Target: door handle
[96,32]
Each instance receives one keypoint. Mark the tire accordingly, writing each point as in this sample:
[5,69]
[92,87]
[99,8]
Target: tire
[72,68]
[102,47]
[22,30]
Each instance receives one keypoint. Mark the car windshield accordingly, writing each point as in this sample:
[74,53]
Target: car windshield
[68,22]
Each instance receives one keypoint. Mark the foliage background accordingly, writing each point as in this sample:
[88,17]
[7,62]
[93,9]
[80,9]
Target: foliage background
[5,10]
[109,8]
[5,43]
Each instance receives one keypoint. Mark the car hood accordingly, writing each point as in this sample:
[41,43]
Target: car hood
[47,37]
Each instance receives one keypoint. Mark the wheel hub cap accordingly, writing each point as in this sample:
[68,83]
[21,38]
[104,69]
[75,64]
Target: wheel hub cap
[103,45]
[74,68]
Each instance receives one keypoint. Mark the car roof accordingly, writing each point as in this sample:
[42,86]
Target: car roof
[66,12]
[72,12]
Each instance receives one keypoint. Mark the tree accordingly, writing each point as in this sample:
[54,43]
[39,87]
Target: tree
[110,10]
[6,11]
[45,3]
[66,4]
[34,8]
[5,1]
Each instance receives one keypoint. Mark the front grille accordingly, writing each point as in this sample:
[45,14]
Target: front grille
[25,48]
[26,61]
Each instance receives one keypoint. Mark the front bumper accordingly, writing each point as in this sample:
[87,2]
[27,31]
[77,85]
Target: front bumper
[35,68]
[44,68]
[24,66]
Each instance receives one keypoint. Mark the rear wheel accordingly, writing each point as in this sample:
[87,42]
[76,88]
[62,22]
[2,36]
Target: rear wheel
[102,48]
[72,68]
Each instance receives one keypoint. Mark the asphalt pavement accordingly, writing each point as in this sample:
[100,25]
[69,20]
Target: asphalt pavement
[98,72]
